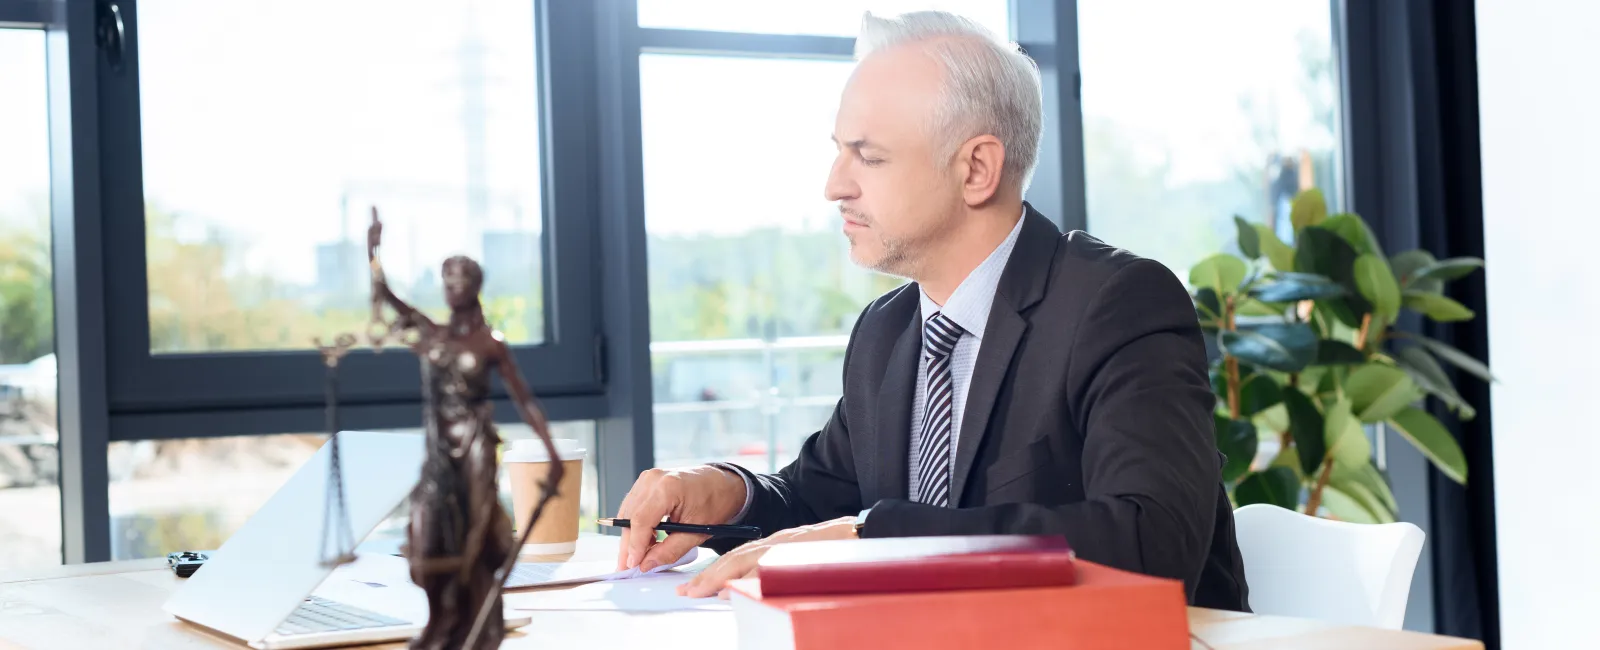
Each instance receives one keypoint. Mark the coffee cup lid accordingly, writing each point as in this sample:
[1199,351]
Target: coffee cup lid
[532,451]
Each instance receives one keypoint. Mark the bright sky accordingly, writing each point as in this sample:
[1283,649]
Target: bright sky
[24,124]
[1171,72]
[284,129]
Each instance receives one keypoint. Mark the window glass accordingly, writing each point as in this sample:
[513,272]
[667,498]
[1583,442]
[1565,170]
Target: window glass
[752,291]
[270,129]
[192,494]
[1217,109]
[30,497]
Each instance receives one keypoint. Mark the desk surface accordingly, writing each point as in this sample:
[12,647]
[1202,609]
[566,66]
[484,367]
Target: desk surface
[118,605]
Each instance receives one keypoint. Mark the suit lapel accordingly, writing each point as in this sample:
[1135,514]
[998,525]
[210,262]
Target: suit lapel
[1004,332]
[894,412]
[1021,285]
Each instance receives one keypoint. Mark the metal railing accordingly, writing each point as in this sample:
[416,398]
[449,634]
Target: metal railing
[769,401]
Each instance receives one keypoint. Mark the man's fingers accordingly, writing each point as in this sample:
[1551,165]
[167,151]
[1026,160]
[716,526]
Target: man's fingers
[726,591]
[715,577]
[670,549]
[641,533]
[623,512]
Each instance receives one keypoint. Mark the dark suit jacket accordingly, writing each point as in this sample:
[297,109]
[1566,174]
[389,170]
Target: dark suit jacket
[1088,415]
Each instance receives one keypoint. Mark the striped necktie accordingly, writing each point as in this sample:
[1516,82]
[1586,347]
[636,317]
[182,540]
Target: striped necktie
[939,336]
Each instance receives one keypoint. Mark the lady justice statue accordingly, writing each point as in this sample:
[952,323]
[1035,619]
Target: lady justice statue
[460,544]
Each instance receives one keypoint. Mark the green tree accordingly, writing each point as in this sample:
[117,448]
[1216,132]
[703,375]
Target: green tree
[27,311]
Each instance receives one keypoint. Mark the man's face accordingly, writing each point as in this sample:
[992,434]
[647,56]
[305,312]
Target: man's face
[895,196]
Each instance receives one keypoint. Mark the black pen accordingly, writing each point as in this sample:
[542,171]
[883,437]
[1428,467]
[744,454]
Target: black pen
[742,532]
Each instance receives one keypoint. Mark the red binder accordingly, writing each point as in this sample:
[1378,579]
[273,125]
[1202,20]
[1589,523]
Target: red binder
[1105,608]
[916,564]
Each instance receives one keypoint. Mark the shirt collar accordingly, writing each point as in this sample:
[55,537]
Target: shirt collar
[969,304]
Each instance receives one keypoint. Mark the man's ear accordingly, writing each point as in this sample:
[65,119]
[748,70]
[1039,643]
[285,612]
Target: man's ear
[982,158]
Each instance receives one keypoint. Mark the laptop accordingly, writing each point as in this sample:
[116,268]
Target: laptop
[265,586]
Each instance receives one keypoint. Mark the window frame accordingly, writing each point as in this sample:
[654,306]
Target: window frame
[112,389]
[150,393]
[24,14]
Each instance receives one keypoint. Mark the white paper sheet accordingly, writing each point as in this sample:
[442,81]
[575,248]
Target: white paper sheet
[651,593]
[546,574]
[381,583]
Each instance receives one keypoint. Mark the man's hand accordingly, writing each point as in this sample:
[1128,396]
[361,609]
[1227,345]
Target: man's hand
[694,495]
[741,562]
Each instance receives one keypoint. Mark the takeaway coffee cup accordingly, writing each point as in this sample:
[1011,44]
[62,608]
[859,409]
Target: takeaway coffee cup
[527,463]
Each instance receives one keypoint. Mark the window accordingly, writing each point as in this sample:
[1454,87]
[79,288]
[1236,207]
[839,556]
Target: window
[261,160]
[30,499]
[823,17]
[1231,114]
[192,494]
[248,169]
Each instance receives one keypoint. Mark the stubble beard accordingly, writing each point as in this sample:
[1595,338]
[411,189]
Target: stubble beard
[897,260]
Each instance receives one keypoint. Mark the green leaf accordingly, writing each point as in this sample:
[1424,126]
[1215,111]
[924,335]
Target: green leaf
[1407,264]
[1219,381]
[1430,377]
[1222,273]
[1206,304]
[1364,484]
[1456,358]
[1289,458]
[1237,441]
[1454,268]
[1353,230]
[1257,394]
[1282,347]
[1377,285]
[1433,440]
[1377,391]
[1249,239]
[1253,307]
[1323,253]
[1345,507]
[1375,483]
[1437,307]
[1294,287]
[1305,425]
[1308,209]
[1327,385]
[1274,419]
[1276,485]
[1278,253]
[1342,432]
[1345,481]
[1331,352]
[1309,377]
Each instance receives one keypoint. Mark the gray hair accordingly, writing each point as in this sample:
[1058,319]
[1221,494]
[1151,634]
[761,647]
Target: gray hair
[990,86]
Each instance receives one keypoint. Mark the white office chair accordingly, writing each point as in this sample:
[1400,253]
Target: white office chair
[1341,572]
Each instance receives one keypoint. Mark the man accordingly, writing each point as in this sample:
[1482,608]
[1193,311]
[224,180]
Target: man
[1026,382]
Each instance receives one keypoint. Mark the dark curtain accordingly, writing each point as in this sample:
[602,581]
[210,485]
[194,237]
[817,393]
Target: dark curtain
[1414,173]
[1465,577]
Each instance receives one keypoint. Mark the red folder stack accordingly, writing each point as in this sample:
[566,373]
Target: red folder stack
[1005,591]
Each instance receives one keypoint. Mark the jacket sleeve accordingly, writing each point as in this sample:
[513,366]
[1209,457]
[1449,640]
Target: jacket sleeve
[1138,389]
[820,484]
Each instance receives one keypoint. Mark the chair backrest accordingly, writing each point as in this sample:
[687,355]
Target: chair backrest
[1341,572]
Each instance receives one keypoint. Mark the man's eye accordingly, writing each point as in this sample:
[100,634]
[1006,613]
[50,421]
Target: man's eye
[871,162]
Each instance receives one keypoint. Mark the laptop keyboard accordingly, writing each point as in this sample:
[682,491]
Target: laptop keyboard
[319,614]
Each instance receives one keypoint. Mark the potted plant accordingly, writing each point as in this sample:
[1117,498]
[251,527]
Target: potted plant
[1309,357]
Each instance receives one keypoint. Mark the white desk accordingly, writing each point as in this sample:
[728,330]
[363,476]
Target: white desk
[118,605]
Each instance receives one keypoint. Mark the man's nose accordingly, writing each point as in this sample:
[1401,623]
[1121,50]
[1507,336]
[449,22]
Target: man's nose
[841,185]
